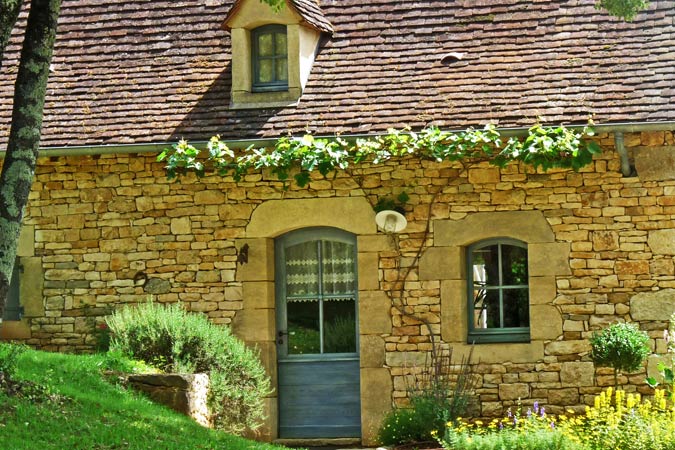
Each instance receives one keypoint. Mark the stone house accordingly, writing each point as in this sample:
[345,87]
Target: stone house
[524,263]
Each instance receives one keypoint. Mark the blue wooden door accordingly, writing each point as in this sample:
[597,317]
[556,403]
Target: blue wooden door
[317,338]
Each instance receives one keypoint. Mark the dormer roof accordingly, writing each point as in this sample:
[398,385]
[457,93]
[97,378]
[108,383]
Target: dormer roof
[309,10]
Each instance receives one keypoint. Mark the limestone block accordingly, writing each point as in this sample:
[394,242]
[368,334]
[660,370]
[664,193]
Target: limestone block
[371,351]
[527,226]
[406,359]
[209,197]
[32,284]
[577,374]
[542,290]
[124,245]
[26,241]
[374,313]
[368,271]
[254,325]
[258,294]
[546,323]
[157,286]
[185,393]
[563,397]
[374,243]
[260,265]
[454,326]
[549,259]
[514,391]
[662,242]
[501,353]
[657,305]
[275,217]
[605,240]
[376,389]
[442,263]
[560,348]
[482,176]
[15,329]
[181,225]
[655,164]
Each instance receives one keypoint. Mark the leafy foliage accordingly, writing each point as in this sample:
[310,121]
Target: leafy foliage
[624,9]
[177,341]
[543,147]
[621,346]
[440,392]
[666,367]
[617,421]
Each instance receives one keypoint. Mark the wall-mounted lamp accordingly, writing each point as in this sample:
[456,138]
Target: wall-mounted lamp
[390,221]
[242,255]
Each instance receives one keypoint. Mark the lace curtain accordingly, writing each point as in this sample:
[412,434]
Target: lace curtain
[330,262]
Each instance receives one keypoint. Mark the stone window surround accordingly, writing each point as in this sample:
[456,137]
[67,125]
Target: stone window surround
[445,260]
[255,323]
[31,285]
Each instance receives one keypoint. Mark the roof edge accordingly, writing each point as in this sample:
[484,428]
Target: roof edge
[156,147]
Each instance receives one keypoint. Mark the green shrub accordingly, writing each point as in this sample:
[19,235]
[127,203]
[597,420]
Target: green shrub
[440,392]
[621,346]
[174,340]
[9,356]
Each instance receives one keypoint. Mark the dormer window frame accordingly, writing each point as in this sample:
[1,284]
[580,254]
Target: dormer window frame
[276,84]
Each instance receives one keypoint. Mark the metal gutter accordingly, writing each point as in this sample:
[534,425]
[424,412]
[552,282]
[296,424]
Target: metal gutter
[106,149]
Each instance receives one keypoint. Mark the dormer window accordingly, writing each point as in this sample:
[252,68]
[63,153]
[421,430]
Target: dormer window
[270,58]
[273,51]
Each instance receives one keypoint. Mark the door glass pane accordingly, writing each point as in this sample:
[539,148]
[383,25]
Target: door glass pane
[338,268]
[303,327]
[514,265]
[516,311]
[339,326]
[265,45]
[302,270]
[265,67]
[486,309]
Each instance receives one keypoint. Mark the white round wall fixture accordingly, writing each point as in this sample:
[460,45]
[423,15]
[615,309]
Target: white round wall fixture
[390,221]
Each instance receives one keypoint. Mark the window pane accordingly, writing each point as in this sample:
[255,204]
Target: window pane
[514,265]
[265,45]
[338,264]
[516,310]
[486,309]
[282,69]
[265,67]
[280,41]
[486,265]
[302,269]
[339,332]
[303,327]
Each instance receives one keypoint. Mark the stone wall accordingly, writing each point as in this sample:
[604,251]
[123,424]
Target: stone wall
[111,230]
[185,393]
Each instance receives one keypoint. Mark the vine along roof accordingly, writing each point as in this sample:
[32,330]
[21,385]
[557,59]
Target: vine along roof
[160,70]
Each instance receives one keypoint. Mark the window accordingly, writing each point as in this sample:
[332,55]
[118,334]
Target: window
[269,58]
[13,308]
[317,291]
[498,291]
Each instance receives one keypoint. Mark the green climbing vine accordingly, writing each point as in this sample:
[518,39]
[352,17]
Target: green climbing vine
[542,147]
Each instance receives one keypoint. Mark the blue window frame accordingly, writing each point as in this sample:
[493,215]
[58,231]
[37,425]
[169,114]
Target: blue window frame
[269,58]
[498,291]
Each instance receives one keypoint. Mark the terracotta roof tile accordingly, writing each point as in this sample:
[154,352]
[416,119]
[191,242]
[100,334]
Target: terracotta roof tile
[160,70]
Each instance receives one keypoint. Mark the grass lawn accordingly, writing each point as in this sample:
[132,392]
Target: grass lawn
[79,409]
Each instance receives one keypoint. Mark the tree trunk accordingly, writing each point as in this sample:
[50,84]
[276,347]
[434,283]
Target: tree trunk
[23,144]
[9,12]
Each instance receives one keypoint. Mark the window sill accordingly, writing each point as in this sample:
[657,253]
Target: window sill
[500,337]
[260,100]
